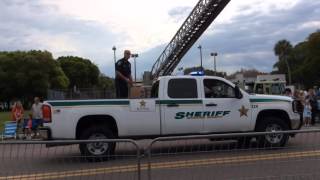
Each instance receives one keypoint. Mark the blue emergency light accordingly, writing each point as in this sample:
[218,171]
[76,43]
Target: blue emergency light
[197,73]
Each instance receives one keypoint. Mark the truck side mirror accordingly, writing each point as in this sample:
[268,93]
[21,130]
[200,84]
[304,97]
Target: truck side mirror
[237,92]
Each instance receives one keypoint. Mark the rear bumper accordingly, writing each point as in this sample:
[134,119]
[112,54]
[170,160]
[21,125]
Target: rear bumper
[45,133]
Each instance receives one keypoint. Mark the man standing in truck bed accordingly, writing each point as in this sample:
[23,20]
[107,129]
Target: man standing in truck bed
[123,75]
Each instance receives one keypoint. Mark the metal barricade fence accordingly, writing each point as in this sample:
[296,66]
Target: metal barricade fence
[184,157]
[217,156]
[33,160]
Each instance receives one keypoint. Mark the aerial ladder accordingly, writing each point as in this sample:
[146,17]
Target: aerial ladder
[202,15]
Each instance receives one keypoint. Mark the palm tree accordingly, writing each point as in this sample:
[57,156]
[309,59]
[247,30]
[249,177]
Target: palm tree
[283,49]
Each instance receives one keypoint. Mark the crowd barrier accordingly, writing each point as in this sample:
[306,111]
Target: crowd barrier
[218,156]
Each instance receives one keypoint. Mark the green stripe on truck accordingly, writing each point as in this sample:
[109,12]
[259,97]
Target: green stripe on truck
[92,103]
[179,102]
[87,103]
[268,100]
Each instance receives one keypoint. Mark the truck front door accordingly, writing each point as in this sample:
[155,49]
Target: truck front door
[182,107]
[223,111]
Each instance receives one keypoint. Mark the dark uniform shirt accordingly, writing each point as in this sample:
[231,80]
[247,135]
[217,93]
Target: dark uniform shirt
[124,67]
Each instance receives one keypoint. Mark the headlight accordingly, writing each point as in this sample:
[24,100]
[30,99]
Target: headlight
[295,105]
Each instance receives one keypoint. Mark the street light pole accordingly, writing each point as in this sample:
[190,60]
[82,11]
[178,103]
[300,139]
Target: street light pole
[114,59]
[214,61]
[289,70]
[135,67]
[200,48]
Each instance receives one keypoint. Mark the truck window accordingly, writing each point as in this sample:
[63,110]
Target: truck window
[182,88]
[217,89]
[155,90]
[259,89]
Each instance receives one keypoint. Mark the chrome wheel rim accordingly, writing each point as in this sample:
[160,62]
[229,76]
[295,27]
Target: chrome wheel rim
[274,138]
[97,148]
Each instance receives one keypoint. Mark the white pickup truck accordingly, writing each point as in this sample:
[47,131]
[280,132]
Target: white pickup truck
[179,105]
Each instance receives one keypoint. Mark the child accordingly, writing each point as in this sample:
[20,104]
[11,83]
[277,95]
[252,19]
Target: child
[28,127]
[307,113]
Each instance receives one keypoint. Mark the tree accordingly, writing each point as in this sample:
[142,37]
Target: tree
[303,59]
[310,68]
[24,75]
[81,72]
[282,49]
[105,82]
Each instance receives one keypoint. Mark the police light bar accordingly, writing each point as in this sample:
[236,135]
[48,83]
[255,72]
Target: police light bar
[197,73]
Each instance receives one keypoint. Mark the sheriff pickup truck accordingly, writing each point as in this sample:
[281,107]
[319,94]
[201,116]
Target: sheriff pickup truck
[179,105]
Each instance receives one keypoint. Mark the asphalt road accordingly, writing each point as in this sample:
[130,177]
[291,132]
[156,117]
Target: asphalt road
[184,159]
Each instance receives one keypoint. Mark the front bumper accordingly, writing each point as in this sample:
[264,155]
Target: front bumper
[296,122]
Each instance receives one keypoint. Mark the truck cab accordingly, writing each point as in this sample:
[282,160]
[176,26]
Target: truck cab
[202,105]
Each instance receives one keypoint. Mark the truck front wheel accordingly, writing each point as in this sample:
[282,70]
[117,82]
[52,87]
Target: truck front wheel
[272,124]
[99,151]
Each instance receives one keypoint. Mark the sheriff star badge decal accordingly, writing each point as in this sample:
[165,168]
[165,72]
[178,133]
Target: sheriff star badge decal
[142,103]
[243,111]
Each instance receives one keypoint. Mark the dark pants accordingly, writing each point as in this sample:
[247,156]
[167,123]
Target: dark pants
[313,117]
[39,123]
[121,89]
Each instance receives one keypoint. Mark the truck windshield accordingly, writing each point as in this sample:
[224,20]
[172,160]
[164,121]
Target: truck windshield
[277,88]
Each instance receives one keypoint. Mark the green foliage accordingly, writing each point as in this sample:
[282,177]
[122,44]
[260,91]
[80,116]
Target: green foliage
[303,59]
[27,74]
[6,116]
[82,73]
[105,82]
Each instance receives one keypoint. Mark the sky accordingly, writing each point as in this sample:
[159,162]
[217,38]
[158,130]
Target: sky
[243,35]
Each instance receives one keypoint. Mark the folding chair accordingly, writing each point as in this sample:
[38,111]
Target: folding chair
[10,129]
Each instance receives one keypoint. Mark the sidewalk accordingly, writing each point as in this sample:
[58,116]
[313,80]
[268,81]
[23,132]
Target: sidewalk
[316,126]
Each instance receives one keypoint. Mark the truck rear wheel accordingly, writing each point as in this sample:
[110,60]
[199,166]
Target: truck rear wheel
[99,151]
[272,124]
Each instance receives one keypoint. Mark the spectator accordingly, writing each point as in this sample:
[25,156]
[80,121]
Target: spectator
[37,113]
[17,116]
[307,113]
[28,127]
[297,96]
[314,105]
[288,92]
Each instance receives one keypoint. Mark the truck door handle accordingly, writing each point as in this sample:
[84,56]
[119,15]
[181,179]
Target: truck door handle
[172,105]
[211,104]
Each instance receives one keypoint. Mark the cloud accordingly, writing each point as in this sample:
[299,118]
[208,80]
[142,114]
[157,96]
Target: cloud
[38,26]
[243,34]
[247,40]
[180,13]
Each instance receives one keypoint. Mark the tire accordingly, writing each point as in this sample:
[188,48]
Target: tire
[272,124]
[95,152]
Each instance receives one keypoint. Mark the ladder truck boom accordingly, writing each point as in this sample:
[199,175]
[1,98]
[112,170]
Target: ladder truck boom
[202,15]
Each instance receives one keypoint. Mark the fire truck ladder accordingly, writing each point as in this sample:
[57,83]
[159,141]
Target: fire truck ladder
[202,15]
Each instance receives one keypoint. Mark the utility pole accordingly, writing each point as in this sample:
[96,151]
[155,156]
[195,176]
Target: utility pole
[214,54]
[114,59]
[289,70]
[200,48]
[135,66]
